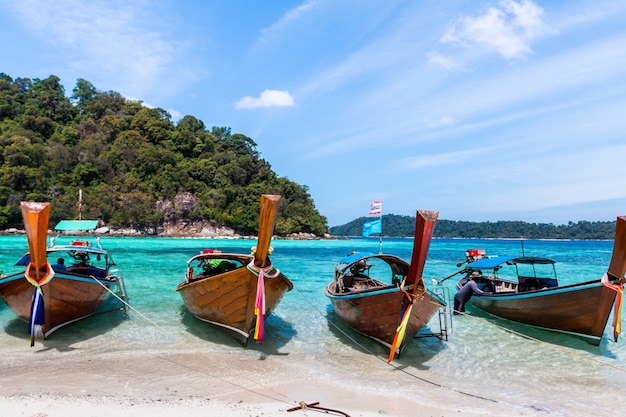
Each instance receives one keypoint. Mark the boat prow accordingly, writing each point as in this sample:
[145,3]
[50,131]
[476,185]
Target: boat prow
[49,297]
[236,292]
[384,297]
[537,299]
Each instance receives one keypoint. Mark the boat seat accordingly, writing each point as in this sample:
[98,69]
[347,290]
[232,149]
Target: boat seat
[96,272]
[78,269]
[348,281]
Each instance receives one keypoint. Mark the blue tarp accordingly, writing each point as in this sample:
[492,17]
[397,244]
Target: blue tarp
[489,263]
[350,259]
[76,225]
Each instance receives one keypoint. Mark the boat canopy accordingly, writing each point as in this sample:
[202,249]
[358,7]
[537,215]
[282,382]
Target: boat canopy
[352,258]
[533,260]
[489,263]
[496,261]
[53,252]
[76,225]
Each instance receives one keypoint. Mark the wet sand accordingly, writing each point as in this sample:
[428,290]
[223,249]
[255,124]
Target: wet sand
[45,382]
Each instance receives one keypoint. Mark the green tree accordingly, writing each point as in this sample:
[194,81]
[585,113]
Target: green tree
[126,157]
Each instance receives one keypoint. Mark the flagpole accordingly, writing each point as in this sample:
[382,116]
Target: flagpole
[376,226]
[80,204]
[380,236]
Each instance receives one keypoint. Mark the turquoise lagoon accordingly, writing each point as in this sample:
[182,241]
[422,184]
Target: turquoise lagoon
[545,373]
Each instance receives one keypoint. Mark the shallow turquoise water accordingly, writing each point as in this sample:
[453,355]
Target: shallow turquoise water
[557,375]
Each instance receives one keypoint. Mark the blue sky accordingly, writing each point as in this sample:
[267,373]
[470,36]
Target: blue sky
[482,110]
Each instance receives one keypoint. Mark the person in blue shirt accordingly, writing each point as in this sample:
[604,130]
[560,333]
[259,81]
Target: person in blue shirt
[465,293]
[60,265]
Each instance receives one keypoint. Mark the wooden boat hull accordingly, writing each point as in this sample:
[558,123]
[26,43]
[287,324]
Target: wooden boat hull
[227,300]
[67,298]
[582,309]
[225,292]
[57,294]
[377,313]
[391,312]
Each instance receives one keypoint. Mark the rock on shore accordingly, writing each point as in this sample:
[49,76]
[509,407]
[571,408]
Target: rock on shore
[181,229]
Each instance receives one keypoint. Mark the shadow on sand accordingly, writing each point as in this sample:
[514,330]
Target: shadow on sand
[546,336]
[62,339]
[277,333]
[416,352]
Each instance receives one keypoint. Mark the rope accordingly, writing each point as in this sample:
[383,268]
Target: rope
[36,319]
[288,400]
[393,365]
[406,314]
[44,280]
[436,384]
[619,289]
[259,302]
[314,406]
[285,399]
[257,270]
[400,331]
[557,347]
[564,349]
[132,308]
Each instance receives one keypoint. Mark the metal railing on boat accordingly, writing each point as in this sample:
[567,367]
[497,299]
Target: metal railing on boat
[121,288]
[444,315]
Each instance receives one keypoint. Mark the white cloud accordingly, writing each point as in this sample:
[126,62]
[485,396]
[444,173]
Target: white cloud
[268,98]
[526,16]
[287,20]
[438,59]
[442,159]
[508,29]
[447,120]
[114,44]
[176,115]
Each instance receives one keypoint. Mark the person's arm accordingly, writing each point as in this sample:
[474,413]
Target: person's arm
[476,289]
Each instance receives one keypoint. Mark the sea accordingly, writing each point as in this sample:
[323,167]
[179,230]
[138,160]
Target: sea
[533,371]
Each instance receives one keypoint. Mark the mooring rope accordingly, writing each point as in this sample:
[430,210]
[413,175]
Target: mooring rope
[195,369]
[289,401]
[557,347]
[393,365]
[127,304]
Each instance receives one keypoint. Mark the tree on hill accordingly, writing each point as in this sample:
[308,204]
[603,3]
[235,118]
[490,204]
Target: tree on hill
[404,226]
[131,161]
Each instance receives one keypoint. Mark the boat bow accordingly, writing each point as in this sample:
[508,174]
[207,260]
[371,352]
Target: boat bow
[261,264]
[617,269]
[424,225]
[38,272]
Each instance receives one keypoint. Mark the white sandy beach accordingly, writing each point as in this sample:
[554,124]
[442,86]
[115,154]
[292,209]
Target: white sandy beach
[163,362]
[49,383]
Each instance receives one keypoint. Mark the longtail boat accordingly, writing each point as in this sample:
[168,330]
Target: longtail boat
[384,297]
[526,290]
[236,292]
[49,297]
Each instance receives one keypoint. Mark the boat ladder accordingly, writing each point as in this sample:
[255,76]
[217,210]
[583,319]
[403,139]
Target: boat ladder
[121,287]
[444,315]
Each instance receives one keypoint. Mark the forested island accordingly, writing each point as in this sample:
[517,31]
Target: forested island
[138,169]
[135,167]
[404,226]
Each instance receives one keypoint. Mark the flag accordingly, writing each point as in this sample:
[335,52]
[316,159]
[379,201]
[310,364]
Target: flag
[371,228]
[376,207]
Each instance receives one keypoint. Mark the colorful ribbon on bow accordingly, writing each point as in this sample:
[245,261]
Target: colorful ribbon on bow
[37,311]
[259,303]
[400,331]
[44,280]
[617,318]
[404,321]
